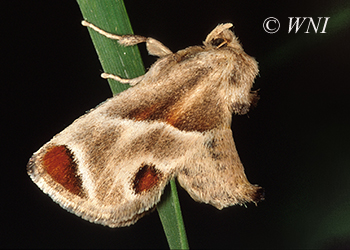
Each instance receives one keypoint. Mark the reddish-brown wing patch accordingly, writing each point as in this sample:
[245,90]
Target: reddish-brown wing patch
[146,113]
[60,165]
[146,178]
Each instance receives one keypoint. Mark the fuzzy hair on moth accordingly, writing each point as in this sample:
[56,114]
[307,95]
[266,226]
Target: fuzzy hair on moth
[111,165]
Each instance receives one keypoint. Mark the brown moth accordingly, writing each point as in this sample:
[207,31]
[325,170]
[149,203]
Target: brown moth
[111,165]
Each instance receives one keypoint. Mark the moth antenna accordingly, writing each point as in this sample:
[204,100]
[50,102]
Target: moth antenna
[217,31]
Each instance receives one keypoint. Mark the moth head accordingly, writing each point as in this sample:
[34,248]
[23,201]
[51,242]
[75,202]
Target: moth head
[238,68]
[222,36]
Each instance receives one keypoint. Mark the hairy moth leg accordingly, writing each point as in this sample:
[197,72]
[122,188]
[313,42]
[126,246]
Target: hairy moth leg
[154,47]
[131,82]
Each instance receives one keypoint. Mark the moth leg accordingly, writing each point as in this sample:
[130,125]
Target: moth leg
[154,47]
[131,82]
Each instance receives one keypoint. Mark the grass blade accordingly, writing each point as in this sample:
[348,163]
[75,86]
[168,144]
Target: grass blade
[110,15]
[123,61]
[170,214]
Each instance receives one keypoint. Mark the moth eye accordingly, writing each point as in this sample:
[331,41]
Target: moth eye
[60,165]
[218,42]
[146,178]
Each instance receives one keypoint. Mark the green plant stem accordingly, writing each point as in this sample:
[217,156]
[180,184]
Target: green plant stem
[111,16]
[170,214]
[123,61]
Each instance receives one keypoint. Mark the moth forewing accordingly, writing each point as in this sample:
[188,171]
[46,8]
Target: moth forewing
[111,165]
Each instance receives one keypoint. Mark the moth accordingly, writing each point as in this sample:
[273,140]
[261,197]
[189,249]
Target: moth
[111,165]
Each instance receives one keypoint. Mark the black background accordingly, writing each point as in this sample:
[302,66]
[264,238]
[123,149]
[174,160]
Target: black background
[296,143]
